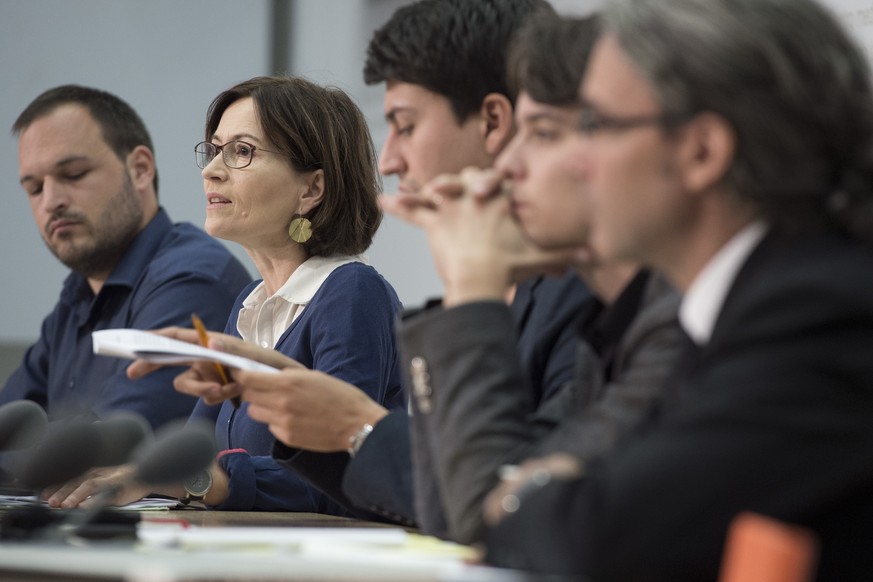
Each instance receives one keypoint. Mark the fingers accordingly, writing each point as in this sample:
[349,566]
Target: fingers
[279,423]
[240,347]
[183,334]
[472,182]
[193,382]
[74,492]
[261,413]
[444,186]
[263,387]
[420,207]
[493,508]
[56,494]
[409,208]
[483,184]
[517,482]
[140,368]
[86,491]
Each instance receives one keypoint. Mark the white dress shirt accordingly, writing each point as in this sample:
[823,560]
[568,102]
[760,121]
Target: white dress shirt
[263,320]
[703,301]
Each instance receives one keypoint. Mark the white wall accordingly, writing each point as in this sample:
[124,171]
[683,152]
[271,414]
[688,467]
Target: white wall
[167,58]
[858,15]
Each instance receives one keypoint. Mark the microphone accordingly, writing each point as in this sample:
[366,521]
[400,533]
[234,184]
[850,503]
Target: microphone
[69,449]
[176,454]
[22,424]
[119,436]
[179,451]
[73,446]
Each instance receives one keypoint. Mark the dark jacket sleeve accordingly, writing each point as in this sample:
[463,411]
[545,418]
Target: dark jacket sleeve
[478,402]
[451,355]
[375,485]
[772,416]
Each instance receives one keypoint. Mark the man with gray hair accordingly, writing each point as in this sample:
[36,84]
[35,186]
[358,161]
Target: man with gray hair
[730,146]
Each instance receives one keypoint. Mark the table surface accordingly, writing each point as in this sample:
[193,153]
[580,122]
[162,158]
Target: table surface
[212,518]
[325,561]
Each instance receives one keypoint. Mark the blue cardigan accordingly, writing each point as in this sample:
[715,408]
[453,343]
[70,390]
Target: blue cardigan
[345,331]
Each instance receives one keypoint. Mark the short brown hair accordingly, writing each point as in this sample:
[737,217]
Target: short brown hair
[548,56]
[318,128]
[121,127]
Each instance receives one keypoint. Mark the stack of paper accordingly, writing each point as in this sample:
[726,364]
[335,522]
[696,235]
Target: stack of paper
[135,343]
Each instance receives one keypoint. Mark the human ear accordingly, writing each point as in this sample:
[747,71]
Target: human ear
[141,167]
[497,122]
[706,151]
[314,192]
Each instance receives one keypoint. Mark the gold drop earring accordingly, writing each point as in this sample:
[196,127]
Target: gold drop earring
[300,229]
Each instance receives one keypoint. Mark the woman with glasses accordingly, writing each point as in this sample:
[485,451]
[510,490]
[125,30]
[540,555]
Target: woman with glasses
[289,173]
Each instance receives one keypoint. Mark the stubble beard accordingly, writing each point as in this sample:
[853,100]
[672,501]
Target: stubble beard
[106,239]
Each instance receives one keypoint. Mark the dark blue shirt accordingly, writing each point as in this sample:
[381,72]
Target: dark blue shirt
[346,331]
[169,272]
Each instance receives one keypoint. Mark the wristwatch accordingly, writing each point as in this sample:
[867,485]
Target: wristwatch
[356,441]
[197,486]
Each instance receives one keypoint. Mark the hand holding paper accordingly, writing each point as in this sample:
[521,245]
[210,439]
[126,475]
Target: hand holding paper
[160,349]
[176,345]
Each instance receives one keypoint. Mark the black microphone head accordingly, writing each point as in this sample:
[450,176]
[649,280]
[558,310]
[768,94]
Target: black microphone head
[120,434]
[177,453]
[22,424]
[69,449]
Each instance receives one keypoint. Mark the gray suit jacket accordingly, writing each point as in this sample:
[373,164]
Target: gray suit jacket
[469,409]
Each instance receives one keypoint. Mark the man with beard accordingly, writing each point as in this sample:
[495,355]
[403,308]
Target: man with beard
[87,164]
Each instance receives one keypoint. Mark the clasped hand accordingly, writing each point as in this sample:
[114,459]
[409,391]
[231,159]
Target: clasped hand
[478,247]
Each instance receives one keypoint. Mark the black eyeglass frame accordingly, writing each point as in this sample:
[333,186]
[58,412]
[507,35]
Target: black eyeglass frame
[590,121]
[224,154]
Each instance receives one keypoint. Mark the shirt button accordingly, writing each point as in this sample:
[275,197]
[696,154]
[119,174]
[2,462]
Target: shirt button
[265,345]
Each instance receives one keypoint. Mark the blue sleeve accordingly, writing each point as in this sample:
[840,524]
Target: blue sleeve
[351,334]
[210,413]
[347,333]
[170,303]
[154,304]
[259,483]
[30,380]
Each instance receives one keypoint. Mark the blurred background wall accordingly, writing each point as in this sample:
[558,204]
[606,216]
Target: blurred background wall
[168,59]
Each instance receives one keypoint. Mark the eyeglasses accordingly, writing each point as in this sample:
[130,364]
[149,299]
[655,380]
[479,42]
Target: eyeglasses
[236,154]
[591,121]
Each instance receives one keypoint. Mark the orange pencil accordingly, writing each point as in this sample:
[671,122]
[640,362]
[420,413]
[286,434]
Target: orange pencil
[204,341]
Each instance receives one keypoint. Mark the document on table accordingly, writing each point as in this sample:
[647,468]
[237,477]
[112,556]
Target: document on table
[145,504]
[136,343]
[355,544]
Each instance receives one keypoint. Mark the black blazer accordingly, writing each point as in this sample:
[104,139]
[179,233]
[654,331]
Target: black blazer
[774,415]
